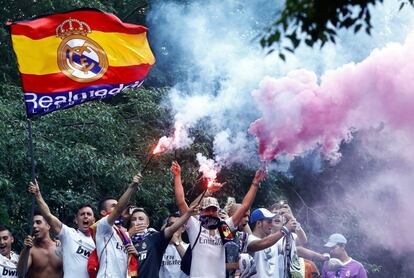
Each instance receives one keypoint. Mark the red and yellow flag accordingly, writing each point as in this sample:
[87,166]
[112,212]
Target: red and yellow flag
[69,58]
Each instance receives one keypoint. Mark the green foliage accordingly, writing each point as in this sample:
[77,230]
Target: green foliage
[81,154]
[317,22]
[91,151]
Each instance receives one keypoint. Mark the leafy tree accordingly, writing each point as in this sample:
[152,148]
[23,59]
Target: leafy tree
[317,22]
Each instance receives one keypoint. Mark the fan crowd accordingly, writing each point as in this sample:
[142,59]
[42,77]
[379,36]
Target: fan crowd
[228,242]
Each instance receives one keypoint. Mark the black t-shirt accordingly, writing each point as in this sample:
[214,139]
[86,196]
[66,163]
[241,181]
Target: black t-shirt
[150,252]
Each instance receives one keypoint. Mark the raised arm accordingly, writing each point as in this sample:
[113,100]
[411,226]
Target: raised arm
[123,201]
[302,239]
[169,231]
[271,239]
[53,221]
[178,188]
[249,198]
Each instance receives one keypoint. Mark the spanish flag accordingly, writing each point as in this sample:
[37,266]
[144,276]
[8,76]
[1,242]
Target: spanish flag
[82,55]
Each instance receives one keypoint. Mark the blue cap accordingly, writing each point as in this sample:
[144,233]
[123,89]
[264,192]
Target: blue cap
[260,214]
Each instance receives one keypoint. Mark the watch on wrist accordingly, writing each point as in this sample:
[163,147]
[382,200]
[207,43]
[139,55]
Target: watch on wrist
[176,243]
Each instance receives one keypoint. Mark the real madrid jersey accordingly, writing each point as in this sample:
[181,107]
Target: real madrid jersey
[76,248]
[8,267]
[150,254]
[113,256]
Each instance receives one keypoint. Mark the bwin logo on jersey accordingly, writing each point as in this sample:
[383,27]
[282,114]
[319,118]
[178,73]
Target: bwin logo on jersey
[79,57]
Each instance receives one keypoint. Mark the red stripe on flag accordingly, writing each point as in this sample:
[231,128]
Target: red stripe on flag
[58,82]
[99,21]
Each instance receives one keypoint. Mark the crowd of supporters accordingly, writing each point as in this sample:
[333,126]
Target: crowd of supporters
[229,242]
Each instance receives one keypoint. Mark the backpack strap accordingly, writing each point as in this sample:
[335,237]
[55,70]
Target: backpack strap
[195,243]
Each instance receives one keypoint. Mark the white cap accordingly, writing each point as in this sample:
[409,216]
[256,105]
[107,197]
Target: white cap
[335,239]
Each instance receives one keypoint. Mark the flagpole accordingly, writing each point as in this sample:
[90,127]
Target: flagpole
[33,173]
[33,170]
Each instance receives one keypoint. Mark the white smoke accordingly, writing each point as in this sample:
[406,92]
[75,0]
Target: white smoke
[214,41]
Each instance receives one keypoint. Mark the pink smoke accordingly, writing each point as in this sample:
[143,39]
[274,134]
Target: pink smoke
[298,114]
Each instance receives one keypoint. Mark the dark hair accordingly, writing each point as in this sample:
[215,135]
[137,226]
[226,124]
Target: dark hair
[85,205]
[279,204]
[137,210]
[37,212]
[101,205]
[252,225]
[5,228]
[140,210]
[81,206]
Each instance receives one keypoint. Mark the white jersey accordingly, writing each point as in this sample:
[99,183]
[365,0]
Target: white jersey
[8,267]
[113,256]
[171,262]
[208,256]
[76,248]
[295,263]
[266,260]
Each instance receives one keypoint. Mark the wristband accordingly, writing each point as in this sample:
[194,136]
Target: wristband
[284,231]
[254,183]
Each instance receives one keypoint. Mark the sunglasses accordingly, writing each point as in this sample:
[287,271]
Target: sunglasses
[133,209]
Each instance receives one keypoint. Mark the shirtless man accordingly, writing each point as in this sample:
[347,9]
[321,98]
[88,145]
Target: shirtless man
[40,253]
[77,244]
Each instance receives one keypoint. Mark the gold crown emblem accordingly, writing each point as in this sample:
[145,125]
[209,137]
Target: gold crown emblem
[72,27]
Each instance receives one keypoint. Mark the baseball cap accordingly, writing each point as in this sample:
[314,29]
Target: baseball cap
[209,202]
[335,239]
[260,214]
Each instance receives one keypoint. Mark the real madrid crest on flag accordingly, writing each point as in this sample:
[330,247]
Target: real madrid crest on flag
[70,58]
[79,57]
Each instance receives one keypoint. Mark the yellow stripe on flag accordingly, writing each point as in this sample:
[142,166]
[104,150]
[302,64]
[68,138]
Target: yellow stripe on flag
[40,56]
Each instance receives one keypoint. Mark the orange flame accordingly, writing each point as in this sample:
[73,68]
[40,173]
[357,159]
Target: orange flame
[210,183]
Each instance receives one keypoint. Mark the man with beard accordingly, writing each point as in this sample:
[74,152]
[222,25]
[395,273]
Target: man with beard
[263,244]
[40,253]
[207,233]
[8,258]
[151,245]
[77,244]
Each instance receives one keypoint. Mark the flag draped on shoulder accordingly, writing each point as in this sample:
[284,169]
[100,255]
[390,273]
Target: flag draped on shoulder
[69,58]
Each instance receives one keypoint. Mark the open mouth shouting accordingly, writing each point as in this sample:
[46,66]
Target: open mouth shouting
[86,223]
[36,233]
